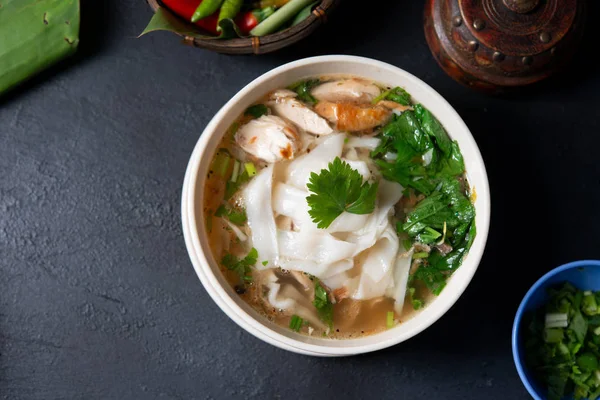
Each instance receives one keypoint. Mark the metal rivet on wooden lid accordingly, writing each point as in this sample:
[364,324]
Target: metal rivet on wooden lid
[457,21]
[527,60]
[473,45]
[498,56]
[545,37]
[478,24]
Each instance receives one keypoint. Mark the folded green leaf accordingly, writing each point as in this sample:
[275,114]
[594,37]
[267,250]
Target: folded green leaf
[434,129]
[337,189]
[35,34]
[164,20]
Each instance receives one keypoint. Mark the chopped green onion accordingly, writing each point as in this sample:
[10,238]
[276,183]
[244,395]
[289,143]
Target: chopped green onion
[553,335]
[296,323]
[407,243]
[587,362]
[557,324]
[589,305]
[221,164]
[382,96]
[556,320]
[236,171]
[390,319]
[417,304]
[250,169]
[422,254]
[265,263]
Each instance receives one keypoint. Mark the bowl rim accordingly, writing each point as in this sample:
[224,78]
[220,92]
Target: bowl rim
[517,356]
[249,323]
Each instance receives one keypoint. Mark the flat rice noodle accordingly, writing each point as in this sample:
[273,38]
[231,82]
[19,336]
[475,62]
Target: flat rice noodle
[401,272]
[370,143]
[299,170]
[348,222]
[361,167]
[321,271]
[288,298]
[389,193]
[290,201]
[351,154]
[319,247]
[382,256]
[257,202]
[340,280]
[377,268]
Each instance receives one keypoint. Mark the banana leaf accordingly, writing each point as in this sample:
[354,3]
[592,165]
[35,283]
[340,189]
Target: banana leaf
[34,34]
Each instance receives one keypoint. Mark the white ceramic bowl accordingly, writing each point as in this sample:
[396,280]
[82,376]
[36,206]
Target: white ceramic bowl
[207,267]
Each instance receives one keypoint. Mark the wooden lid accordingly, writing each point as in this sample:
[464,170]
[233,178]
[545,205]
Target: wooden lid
[494,44]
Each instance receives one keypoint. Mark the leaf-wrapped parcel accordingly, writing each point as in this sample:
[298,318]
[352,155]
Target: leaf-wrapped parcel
[34,34]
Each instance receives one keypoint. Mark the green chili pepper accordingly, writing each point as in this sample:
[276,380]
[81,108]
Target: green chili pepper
[229,10]
[304,13]
[206,8]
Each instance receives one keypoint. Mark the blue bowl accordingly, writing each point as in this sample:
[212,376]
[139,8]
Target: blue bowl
[583,275]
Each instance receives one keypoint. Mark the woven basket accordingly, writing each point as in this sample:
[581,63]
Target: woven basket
[262,44]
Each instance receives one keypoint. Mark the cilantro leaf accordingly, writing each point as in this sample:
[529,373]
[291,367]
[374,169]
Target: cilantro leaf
[257,110]
[241,267]
[323,305]
[337,189]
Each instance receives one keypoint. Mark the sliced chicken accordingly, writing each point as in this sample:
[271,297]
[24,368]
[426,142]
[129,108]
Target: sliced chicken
[351,117]
[269,138]
[284,104]
[347,90]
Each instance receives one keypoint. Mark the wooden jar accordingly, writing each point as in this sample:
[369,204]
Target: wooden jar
[498,44]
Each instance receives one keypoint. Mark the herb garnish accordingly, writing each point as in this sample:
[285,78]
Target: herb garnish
[237,217]
[296,323]
[257,110]
[303,89]
[562,343]
[337,189]
[323,304]
[396,94]
[241,267]
[428,162]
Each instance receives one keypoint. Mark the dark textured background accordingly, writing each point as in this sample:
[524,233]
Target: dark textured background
[98,298]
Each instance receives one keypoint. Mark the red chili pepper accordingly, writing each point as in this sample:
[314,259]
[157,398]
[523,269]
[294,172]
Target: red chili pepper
[185,9]
[248,20]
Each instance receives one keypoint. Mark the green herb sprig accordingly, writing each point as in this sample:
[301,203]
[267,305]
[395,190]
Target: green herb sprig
[337,189]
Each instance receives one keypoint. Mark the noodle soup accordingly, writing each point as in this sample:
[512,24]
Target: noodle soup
[337,207]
